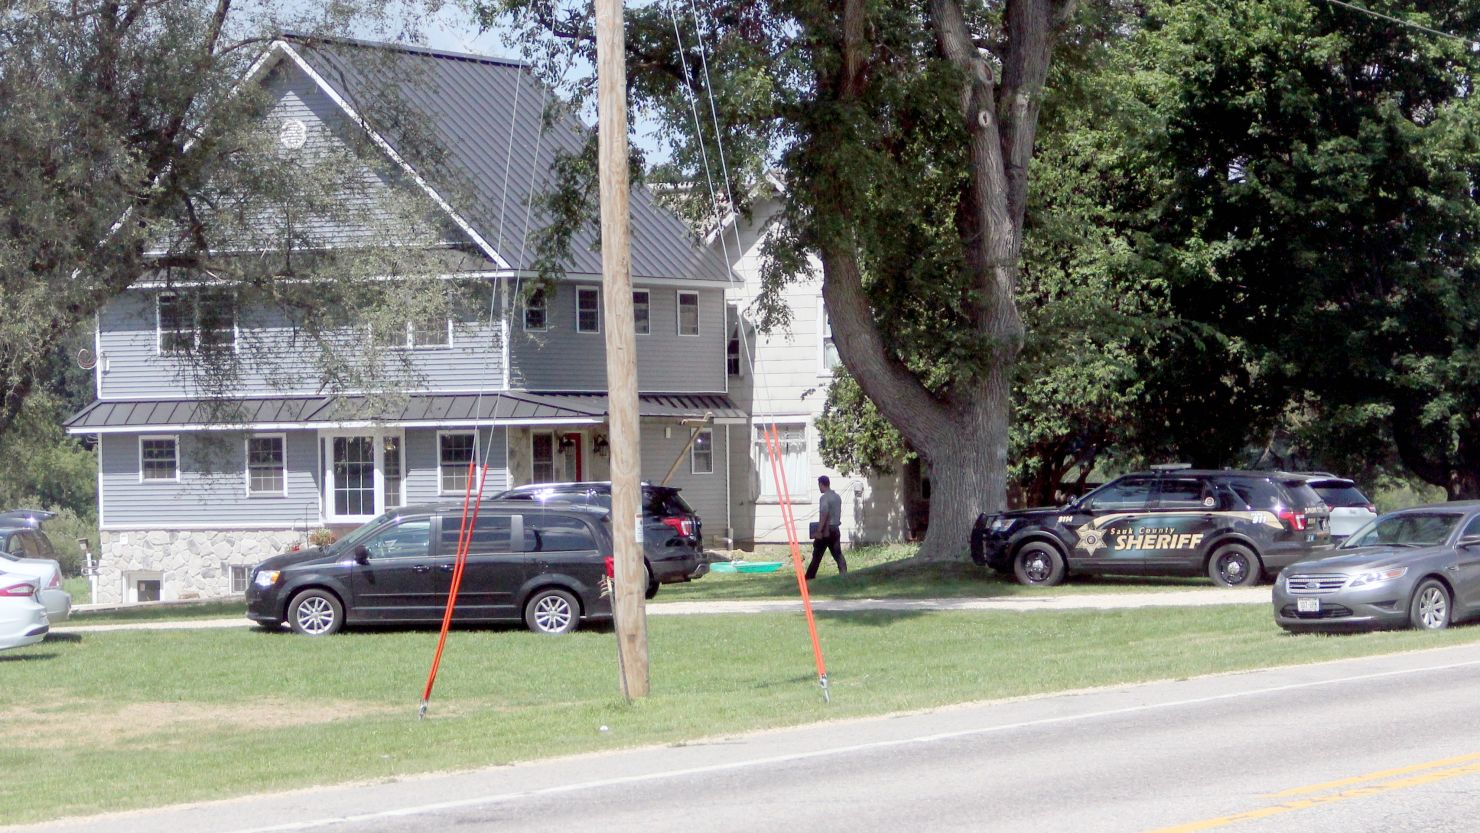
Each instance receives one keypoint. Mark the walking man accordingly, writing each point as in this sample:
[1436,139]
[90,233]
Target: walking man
[829,532]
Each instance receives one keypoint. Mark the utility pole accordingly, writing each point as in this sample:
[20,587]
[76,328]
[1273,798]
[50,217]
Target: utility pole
[621,352]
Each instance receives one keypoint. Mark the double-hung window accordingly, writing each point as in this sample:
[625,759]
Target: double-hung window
[456,451]
[688,313]
[830,358]
[159,458]
[267,465]
[542,457]
[588,309]
[793,460]
[642,312]
[201,322]
[536,318]
[701,453]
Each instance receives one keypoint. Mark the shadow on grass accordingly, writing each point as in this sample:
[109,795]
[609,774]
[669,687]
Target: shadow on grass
[57,636]
[6,658]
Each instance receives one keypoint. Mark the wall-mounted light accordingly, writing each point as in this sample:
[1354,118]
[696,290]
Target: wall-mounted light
[567,442]
[599,445]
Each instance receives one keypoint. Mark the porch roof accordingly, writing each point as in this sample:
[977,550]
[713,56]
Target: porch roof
[404,410]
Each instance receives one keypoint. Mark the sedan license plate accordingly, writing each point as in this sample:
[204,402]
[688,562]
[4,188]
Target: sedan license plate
[1307,605]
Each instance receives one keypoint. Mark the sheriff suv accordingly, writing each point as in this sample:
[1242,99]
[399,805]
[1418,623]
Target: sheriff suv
[1237,527]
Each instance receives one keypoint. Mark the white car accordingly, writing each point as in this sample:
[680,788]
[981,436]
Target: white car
[25,551]
[1350,509]
[22,616]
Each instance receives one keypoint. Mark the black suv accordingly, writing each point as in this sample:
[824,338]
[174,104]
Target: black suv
[1234,526]
[546,566]
[671,532]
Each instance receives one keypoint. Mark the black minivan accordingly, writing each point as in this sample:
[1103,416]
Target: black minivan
[544,565]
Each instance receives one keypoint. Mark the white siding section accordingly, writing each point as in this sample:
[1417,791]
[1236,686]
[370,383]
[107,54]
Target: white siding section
[789,386]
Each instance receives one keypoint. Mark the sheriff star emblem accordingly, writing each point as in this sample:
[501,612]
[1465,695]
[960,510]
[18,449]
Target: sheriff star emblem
[1090,540]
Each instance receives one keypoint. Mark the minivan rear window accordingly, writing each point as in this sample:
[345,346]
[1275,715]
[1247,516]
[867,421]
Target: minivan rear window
[556,533]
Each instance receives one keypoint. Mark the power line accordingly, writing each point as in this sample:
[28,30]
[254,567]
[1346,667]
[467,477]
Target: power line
[1474,45]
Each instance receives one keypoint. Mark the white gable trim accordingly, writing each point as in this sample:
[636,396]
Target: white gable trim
[391,152]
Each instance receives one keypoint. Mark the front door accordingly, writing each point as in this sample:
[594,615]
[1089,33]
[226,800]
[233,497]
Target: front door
[362,475]
[571,458]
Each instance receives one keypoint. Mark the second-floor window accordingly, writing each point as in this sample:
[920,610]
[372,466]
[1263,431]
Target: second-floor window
[688,313]
[830,358]
[190,323]
[535,317]
[422,334]
[588,309]
[642,312]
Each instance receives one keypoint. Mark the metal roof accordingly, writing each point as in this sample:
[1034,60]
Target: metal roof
[486,115]
[430,410]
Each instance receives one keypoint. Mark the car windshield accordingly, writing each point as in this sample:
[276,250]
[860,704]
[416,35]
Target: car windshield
[1406,529]
[356,536]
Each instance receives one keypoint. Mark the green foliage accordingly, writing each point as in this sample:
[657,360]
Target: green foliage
[43,467]
[854,437]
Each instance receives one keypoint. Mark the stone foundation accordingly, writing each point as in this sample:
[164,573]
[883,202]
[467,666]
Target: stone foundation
[188,564]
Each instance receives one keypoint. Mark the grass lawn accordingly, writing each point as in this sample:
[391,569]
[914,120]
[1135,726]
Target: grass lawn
[885,572]
[144,718]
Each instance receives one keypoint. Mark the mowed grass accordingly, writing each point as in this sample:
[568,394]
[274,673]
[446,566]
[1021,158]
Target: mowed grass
[128,719]
[888,571]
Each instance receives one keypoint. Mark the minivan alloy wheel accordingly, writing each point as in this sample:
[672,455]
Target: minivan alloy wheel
[552,611]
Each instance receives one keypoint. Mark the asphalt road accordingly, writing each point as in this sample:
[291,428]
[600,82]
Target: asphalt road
[1378,744]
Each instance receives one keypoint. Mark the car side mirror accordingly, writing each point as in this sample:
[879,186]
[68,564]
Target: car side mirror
[1469,541]
[362,555]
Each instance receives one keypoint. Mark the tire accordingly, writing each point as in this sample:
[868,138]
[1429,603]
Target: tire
[316,612]
[652,580]
[1430,608]
[1038,564]
[1235,565]
[552,611]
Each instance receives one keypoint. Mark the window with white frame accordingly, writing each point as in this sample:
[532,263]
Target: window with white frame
[535,312]
[431,332]
[588,309]
[198,323]
[267,465]
[734,355]
[542,457]
[455,453]
[830,358]
[239,574]
[701,453]
[642,312]
[793,449]
[688,313]
[159,458]
[391,471]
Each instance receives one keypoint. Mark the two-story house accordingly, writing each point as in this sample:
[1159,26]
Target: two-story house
[189,500]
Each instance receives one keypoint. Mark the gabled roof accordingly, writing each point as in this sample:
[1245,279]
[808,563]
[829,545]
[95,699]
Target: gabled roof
[486,114]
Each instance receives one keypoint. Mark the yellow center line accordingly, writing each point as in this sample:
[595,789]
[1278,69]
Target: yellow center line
[1346,795]
[1376,776]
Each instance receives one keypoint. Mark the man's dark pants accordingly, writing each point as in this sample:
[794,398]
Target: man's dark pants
[834,542]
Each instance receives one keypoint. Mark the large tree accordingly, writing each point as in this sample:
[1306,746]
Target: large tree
[903,133]
[1318,217]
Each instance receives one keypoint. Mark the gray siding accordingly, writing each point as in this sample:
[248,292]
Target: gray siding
[273,359]
[212,486]
[422,468]
[704,492]
[372,204]
[561,359]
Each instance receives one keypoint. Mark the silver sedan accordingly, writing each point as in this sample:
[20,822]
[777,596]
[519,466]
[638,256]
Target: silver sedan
[1418,567]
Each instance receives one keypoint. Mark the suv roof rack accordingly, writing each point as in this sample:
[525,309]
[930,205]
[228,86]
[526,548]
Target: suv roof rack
[1171,466]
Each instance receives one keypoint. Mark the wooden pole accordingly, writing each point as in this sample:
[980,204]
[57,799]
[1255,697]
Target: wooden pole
[621,352]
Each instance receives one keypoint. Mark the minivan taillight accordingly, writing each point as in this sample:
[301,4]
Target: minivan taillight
[683,526]
[1296,520]
[18,591]
[611,566]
